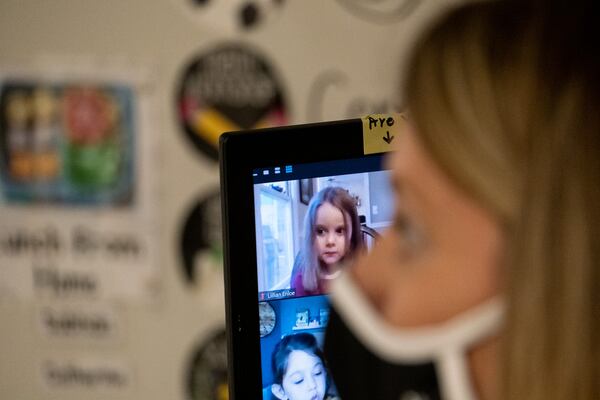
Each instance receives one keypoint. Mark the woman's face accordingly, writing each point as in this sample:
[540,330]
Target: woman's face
[304,379]
[330,234]
[440,257]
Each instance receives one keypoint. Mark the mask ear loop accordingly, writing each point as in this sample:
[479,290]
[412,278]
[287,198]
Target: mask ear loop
[454,376]
[412,345]
[444,344]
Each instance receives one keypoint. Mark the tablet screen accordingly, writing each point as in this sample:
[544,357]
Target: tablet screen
[310,218]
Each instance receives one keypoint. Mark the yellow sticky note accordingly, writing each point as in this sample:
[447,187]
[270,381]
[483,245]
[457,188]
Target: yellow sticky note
[380,131]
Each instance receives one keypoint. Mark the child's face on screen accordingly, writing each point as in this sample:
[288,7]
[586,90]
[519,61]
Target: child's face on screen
[304,378]
[330,234]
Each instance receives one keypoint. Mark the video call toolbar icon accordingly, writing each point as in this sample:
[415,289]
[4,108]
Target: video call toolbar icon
[276,170]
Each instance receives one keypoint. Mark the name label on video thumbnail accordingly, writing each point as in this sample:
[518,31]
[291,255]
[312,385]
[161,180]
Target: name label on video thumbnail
[277,294]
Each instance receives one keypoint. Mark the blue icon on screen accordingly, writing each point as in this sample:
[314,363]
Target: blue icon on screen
[288,169]
[277,170]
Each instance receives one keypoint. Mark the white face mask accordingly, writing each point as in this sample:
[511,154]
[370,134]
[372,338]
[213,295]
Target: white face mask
[369,358]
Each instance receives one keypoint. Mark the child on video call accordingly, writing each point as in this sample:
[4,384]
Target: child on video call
[332,235]
[299,370]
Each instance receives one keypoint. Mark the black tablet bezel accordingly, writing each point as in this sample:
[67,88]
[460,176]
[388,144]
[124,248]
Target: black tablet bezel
[239,154]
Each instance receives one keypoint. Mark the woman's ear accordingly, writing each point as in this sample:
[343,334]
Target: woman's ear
[278,391]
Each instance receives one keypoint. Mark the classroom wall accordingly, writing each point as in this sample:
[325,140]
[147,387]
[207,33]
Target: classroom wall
[117,292]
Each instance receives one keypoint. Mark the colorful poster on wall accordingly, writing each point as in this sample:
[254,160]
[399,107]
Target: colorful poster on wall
[75,196]
[68,143]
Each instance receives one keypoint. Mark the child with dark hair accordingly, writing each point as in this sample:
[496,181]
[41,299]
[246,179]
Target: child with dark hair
[299,369]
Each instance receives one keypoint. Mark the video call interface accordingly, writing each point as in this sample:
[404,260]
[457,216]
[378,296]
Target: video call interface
[304,237]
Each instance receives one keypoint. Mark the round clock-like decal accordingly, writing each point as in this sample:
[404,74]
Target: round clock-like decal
[266,318]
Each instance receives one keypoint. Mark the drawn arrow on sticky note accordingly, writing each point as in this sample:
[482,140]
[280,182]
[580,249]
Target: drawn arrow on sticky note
[388,139]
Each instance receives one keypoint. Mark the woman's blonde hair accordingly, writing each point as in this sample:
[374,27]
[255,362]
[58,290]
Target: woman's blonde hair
[504,95]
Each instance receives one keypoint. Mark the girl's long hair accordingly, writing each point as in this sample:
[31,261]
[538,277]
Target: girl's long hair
[505,98]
